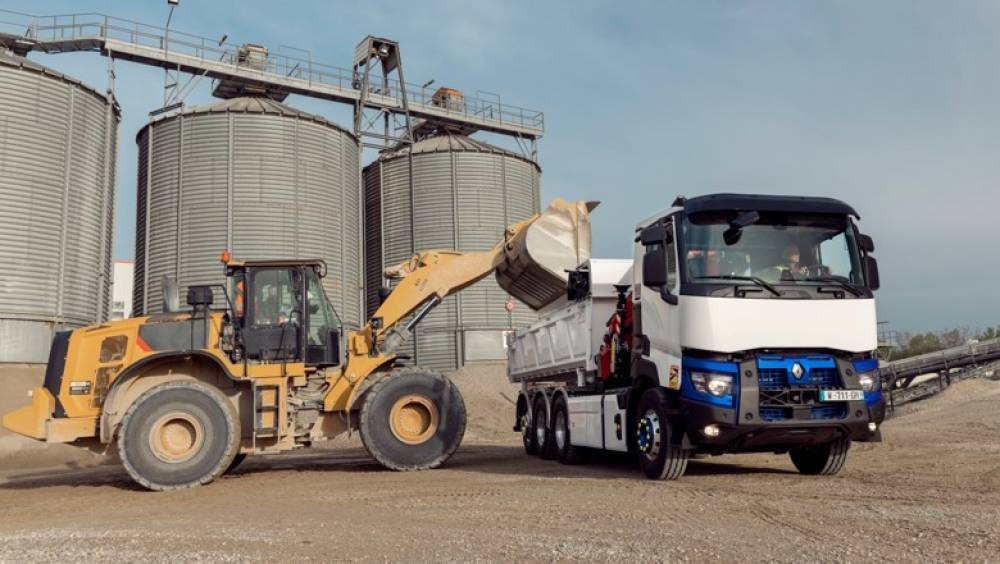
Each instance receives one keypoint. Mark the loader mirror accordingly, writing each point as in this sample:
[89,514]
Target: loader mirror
[871,273]
[654,268]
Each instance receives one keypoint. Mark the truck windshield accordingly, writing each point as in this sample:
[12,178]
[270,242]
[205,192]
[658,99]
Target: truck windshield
[778,249]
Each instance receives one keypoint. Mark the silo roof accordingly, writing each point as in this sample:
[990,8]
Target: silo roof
[451,142]
[9,59]
[251,105]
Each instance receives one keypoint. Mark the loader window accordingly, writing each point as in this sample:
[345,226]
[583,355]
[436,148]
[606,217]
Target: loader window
[322,317]
[273,296]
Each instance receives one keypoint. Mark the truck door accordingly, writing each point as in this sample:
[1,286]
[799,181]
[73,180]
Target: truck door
[659,307]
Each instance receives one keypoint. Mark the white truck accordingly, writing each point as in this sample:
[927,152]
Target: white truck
[744,323]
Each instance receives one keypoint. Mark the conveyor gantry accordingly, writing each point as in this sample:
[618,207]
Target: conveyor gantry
[201,56]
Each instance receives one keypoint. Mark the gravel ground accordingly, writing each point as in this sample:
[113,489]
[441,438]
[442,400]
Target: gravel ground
[931,491]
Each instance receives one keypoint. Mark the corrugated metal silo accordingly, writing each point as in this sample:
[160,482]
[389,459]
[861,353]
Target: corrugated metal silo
[58,150]
[463,194]
[254,176]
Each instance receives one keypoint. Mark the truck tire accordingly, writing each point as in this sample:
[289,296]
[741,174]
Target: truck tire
[413,419]
[178,435]
[821,460]
[544,442]
[659,457]
[528,433]
[566,452]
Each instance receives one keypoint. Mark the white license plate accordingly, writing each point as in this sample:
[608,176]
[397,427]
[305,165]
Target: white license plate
[841,395]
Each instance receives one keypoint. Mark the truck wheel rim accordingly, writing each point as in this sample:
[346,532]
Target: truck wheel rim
[413,419]
[648,434]
[176,437]
[560,430]
[540,425]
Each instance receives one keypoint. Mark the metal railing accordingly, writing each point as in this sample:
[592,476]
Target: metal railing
[91,31]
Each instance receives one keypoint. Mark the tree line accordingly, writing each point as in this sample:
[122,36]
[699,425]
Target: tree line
[913,344]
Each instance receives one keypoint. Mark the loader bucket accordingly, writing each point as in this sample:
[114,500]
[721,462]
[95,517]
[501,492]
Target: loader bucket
[536,260]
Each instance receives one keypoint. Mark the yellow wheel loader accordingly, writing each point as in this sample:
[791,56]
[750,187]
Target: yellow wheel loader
[186,396]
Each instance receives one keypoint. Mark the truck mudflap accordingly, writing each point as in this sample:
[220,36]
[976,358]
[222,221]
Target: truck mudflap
[36,420]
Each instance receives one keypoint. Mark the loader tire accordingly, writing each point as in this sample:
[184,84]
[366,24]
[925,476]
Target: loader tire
[821,460]
[566,452]
[413,419]
[659,456]
[178,435]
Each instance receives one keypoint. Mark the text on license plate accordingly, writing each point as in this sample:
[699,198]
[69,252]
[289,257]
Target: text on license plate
[841,395]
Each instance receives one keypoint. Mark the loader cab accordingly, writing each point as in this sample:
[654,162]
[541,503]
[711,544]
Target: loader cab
[282,312]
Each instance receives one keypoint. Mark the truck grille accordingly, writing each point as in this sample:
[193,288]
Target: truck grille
[783,397]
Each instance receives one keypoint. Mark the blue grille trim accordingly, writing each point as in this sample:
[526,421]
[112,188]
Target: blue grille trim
[775,372]
[816,413]
[865,365]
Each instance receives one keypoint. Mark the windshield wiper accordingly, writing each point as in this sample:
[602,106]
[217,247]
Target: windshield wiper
[840,281]
[753,279]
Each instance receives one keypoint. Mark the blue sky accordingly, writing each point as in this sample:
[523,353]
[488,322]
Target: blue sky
[893,106]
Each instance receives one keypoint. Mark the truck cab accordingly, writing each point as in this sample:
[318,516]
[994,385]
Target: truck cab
[764,307]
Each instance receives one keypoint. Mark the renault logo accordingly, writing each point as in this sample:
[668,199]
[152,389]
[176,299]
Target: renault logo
[798,371]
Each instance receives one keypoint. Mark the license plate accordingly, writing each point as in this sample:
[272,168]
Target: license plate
[841,395]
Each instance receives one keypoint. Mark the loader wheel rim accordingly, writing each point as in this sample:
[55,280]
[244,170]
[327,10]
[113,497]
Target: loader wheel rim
[176,437]
[413,419]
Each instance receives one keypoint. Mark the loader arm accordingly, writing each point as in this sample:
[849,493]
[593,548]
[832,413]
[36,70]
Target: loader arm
[429,277]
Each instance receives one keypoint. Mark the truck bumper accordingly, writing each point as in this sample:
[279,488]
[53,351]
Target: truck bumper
[36,421]
[756,435]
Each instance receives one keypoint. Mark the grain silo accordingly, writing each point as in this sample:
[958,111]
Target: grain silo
[254,176]
[462,195]
[58,148]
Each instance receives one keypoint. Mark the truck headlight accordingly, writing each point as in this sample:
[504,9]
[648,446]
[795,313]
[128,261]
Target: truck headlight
[717,385]
[869,382]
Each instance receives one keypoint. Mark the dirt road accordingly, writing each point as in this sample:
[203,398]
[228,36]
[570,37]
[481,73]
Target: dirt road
[930,492]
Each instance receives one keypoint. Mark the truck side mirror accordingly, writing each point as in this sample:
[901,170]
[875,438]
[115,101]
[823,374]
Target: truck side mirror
[871,273]
[656,234]
[866,243]
[654,268]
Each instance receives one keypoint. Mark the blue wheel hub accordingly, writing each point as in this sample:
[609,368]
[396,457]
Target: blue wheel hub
[645,434]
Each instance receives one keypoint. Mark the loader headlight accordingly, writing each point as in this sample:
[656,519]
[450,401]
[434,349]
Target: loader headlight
[718,385]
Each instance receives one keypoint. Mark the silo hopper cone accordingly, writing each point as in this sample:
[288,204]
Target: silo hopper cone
[536,259]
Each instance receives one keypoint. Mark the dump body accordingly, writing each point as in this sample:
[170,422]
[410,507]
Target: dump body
[563,344]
